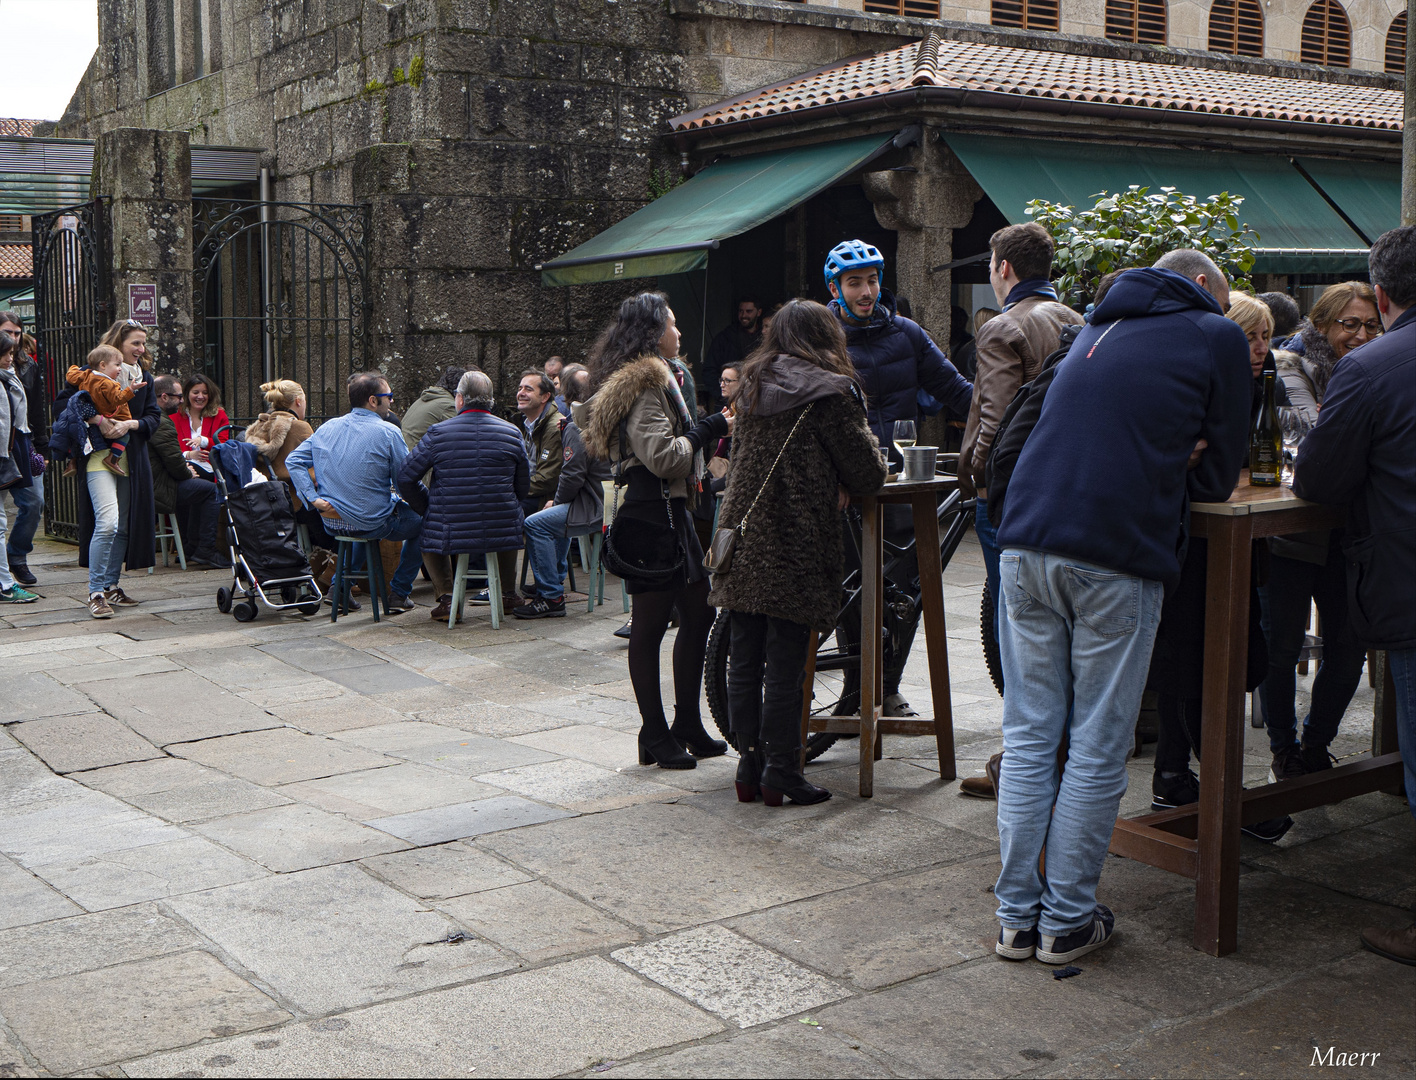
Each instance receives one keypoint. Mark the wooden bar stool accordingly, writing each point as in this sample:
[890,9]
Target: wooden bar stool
[341,587]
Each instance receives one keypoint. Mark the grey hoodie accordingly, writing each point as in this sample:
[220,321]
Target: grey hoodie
[789,381]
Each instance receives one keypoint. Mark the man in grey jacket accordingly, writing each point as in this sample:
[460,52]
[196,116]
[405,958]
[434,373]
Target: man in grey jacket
[578,506]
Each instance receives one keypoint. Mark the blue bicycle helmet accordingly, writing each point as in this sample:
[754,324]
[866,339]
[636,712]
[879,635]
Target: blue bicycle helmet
[852,255]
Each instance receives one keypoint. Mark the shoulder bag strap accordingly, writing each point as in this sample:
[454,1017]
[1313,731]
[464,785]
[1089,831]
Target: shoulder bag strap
[742,525]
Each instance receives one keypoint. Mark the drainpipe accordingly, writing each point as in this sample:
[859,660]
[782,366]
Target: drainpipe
[265,277]
[1408,130]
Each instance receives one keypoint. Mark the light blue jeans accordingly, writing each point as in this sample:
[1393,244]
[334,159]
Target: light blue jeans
[1074,637]
[7,579]
[109,547]
[1403,675]
[550,550]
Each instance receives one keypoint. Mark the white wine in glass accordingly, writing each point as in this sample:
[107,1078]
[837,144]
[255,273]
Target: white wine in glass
[904,435]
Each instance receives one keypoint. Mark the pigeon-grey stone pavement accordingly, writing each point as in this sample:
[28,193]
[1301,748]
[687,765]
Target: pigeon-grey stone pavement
[296,848]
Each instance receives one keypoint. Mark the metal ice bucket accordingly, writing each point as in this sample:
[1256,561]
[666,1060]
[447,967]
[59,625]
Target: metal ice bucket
[920,462]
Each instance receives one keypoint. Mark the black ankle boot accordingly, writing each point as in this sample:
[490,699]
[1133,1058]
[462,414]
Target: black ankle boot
[749,775]
[697,741]
[782,777]
[662,749]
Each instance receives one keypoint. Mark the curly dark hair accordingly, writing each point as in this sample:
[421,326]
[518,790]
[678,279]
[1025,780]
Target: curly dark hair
[636,331]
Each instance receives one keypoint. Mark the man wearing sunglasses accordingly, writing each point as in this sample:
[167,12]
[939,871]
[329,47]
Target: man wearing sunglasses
[348,471]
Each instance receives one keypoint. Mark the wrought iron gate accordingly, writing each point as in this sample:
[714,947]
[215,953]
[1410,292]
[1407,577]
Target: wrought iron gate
[72,306]
[279,294]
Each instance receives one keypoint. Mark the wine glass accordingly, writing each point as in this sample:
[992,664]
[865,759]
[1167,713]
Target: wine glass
[1294,427]
[904,434]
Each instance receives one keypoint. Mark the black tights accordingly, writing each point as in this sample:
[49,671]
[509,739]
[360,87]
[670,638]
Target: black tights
[646,633]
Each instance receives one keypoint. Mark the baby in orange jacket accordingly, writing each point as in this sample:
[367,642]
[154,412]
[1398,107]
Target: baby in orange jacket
[101,381]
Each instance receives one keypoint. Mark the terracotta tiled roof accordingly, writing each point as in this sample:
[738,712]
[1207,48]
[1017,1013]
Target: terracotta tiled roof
[1061,77]
[12,127]
[16,261]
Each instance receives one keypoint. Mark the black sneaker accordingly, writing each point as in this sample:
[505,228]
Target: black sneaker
[482,596]
[1169,792]
[20,571]
[1316,758]
[541,608]
[1270,831]
[1287,764]
[1065,949]
[1016,944]
[397,605]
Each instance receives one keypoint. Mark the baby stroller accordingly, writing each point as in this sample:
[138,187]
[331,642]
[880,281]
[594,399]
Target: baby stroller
[260,531]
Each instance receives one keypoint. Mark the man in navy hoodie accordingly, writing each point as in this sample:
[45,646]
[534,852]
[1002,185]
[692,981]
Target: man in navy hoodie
[1148,409]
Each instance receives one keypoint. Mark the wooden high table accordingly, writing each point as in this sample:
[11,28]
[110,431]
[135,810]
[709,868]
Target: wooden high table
[1201,840]
[923,498]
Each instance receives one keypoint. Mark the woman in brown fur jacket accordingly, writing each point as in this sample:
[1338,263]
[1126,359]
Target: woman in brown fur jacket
[641,423]
[278,431]
[802,447]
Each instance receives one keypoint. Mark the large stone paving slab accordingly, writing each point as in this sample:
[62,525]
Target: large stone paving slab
[710,966]
[89,942]
[538,922]
[92,741]
[89,1019]
[75,829]
[528,1024]
[27,899]
[444,823]
[580,786]
[665,866]
[120,878]
[28,697]
[393,789]
[341,939]
[337,713]
[456,751]
[181,791]
[26,785]
[288,838]
[279,756]
[808,1053]
[447,870]
[242,667]
[178,707]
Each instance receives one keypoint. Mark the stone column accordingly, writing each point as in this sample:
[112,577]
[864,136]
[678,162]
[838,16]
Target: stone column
[148,176]
[924,203]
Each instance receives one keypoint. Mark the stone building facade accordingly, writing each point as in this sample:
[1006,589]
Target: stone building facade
[490,135]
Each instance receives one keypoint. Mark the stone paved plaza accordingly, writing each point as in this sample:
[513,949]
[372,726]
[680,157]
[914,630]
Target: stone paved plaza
[291,848]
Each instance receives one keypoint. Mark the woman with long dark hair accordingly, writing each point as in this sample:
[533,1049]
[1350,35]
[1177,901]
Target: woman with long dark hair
[802,447]
[642,424]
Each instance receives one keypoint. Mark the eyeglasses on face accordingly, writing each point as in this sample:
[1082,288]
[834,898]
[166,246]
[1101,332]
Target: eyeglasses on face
[1353,325]
[725,381]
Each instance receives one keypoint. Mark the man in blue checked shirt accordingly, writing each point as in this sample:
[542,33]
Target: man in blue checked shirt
[348,471]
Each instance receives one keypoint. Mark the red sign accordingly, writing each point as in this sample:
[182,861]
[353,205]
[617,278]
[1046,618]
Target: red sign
[142,304]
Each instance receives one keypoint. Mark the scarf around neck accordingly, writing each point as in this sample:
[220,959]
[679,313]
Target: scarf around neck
[1030,287]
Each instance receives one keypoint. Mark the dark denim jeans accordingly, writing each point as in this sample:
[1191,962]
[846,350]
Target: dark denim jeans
[988,541]
[29,512]
[765,673]
[1292,586]
[196,515]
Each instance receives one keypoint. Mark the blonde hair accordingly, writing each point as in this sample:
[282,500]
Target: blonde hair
[1335,298]
[119,332]
[1251,313]
[103,353]
[282,394]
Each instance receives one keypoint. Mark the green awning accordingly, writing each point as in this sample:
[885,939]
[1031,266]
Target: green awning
[675,232]
[1369,192]
[1299,233]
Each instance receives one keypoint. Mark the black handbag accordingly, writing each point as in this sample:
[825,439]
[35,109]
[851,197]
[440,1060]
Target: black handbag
[642,550]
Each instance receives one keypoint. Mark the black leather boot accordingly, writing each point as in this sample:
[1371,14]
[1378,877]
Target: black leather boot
[659,747]
[782,777]
[695,740]
[749,774]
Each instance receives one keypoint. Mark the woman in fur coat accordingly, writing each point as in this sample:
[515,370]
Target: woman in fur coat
[802,447]
[641,423]
[278,431]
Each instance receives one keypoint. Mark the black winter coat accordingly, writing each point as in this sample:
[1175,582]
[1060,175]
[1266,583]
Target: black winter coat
[169,467]
[480,476]
[790,556]
[582,482]
[142,513]
[38,403]
[895,359]
[1363,452]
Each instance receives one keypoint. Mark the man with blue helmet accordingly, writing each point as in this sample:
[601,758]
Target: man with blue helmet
[895,359]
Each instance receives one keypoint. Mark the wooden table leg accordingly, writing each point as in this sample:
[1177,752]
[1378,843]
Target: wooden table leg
[931,588]
[813,642]
[1222,738]
[1384,713]
[871,622]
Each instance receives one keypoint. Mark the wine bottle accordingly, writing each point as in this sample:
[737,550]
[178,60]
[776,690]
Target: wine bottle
[1266,441]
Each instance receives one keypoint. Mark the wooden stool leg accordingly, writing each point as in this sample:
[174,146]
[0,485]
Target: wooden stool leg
[813,642]
[459,591]
[494,589]
[931,587]
[177,542]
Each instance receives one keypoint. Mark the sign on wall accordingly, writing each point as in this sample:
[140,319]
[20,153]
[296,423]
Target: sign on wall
[142,304]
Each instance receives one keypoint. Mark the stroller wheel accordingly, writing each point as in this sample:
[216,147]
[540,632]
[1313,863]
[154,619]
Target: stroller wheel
[312,608]
[245,611]
[289,594]
[223,600]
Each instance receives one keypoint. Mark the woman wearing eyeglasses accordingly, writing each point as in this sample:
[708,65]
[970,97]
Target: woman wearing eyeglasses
[1309,568]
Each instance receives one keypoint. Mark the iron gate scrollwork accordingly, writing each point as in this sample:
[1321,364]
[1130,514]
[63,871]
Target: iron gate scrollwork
[72,305]
[280,294]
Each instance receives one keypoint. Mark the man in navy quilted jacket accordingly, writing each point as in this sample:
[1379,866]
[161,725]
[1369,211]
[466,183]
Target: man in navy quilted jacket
[895,359]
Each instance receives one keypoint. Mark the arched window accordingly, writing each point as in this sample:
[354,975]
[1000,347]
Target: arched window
[1141,21]
[1237,27]
[1027,14]
[1396,45]
[910,9]
[1327,35]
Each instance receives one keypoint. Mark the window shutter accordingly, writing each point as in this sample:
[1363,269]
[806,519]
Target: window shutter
[1396,45]
[1237,27]
[1027,14]
[1327,36]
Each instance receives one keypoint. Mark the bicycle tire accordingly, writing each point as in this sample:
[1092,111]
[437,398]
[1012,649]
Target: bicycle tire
[992,657]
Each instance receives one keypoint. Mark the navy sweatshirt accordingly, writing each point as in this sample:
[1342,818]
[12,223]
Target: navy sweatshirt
[1103,475]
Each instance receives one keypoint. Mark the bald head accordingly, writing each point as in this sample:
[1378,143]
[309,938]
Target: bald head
[1199,268]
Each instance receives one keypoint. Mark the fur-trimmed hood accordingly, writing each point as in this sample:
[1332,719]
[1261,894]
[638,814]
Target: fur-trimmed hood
[614,400]
[269,432]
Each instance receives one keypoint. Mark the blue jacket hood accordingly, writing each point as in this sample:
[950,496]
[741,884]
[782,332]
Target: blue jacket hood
[1152,292]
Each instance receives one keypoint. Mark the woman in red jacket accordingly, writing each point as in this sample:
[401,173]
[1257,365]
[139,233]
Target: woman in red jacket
[200,420]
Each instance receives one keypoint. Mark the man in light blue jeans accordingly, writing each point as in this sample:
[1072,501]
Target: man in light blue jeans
[1074,636]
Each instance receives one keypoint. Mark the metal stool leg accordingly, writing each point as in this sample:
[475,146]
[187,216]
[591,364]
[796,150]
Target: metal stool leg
[302,537]
[494,588]
[177,541]
[339,587]
[459,591]
[373,574]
